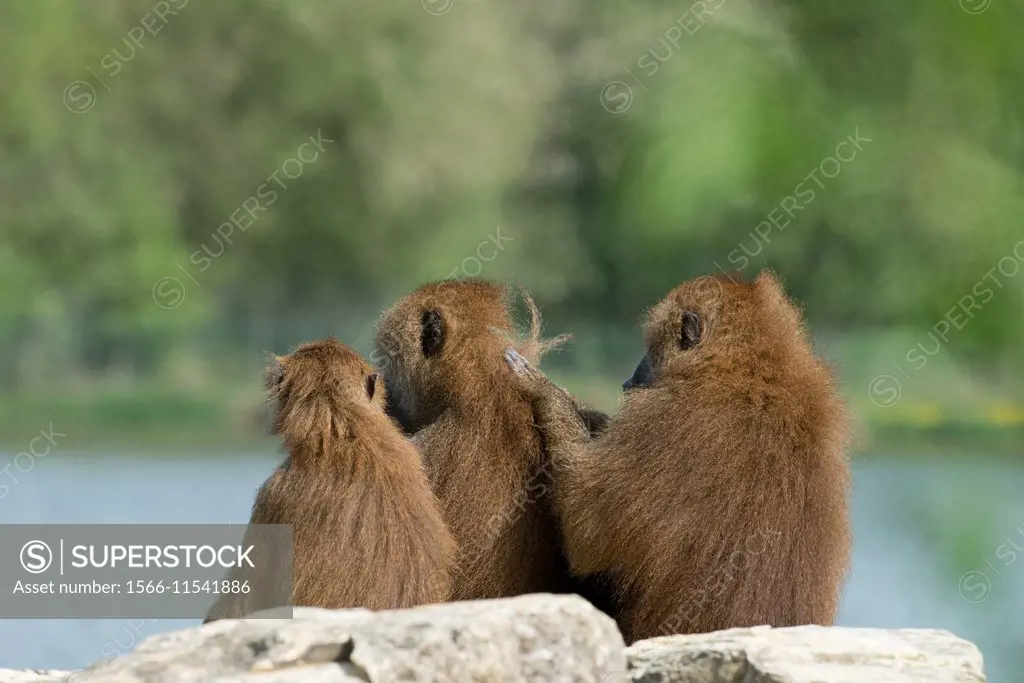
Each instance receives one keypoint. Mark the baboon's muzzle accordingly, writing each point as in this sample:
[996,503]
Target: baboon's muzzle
[642,376]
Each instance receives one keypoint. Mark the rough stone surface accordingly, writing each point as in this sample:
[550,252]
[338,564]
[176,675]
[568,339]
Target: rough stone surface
[530,638]
[805,654]
[33,676]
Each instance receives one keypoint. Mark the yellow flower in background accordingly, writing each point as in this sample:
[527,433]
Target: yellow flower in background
[1005,414]
[925,414]
[912,414]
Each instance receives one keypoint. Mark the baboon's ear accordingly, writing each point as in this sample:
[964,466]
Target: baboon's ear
[690,333]
[371,385]
[432,332]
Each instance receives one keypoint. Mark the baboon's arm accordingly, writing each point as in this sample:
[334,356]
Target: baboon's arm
[564,420]
[566,425]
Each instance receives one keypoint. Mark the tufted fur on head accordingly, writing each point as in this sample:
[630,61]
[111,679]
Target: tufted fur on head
[323,395]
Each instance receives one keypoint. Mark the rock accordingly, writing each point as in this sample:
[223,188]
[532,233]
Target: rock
[529,638]
[32,676]
[532,638]
[805,654]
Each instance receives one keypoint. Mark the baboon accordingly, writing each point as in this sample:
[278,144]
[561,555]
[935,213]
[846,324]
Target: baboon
[717,496]
[367,529]
[440,350]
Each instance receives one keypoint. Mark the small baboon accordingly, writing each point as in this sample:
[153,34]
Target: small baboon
[440,351]
[717,496]
[367,530]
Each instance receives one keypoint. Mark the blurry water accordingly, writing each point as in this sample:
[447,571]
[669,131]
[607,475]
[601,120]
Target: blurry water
[910,519]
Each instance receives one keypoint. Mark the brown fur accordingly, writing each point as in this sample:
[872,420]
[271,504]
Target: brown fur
[367,530]
[717,497]
[483,456]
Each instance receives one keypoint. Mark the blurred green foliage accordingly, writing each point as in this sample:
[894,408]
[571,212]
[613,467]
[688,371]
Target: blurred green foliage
[617,148]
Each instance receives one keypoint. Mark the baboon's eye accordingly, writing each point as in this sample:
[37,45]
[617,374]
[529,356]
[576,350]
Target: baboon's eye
[431,333]
[371,385]
[690,331]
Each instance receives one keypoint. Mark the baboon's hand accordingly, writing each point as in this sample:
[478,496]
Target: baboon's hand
[527,378]
[560,417]
[544,393]
[536,384]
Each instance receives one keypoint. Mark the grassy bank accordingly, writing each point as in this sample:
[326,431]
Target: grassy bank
[943,407]
[142,419]
[160,421]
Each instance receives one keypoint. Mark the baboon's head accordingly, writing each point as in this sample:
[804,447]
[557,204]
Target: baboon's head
[715,321]
[445,340]
[314,384]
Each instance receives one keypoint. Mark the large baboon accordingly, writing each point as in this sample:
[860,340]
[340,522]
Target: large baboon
[717,497]
[440,350]
[367,529]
